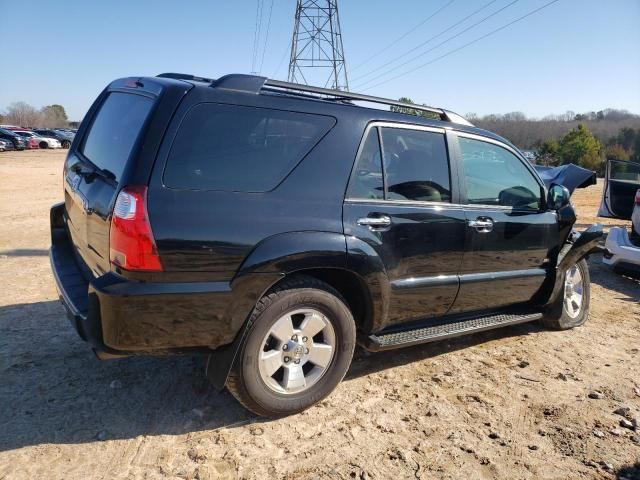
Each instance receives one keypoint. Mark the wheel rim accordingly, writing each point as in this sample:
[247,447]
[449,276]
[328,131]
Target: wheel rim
[297,351]
[573,292]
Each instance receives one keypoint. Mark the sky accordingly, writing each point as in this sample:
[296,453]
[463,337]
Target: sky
[578,55]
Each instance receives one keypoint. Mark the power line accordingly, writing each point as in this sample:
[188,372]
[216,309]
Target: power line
[256,35]
[266,39]
[401,37]
[455,50]
[288,50]
[440,44]
[426,41]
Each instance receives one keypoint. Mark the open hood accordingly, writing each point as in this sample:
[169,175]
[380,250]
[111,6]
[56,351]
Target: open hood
[570,176]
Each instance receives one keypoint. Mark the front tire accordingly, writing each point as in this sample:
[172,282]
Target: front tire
[572,307]
[299,345]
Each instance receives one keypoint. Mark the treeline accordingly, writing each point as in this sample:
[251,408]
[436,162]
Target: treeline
[24,115]
[528,133]
[586,139]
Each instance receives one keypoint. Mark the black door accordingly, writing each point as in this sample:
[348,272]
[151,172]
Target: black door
[510,234]
[403,208]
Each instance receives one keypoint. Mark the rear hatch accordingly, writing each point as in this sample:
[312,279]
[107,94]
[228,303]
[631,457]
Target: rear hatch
[98,165]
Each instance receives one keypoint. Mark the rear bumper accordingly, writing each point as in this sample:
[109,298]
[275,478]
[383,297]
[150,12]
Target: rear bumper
[620,250]
[120,316]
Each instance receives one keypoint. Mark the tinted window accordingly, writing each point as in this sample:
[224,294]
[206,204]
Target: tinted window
[366,179]
[234,148]
[416,165]
[625,171]
[114,131]
[495,176]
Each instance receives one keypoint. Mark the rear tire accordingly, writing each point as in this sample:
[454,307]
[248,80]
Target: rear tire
[572,307]
[66,144]
[280,371]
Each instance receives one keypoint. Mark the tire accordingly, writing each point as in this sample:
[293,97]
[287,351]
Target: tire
[66,144]
[561,316]
[43,145]
[309,303]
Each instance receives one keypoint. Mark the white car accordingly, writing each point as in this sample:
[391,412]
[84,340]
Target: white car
[43,142]
[621,199]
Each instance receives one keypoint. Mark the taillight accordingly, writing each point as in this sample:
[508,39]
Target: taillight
[131,243]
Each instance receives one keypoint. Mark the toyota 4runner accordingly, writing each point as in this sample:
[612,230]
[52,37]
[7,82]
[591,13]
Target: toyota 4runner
[274,226]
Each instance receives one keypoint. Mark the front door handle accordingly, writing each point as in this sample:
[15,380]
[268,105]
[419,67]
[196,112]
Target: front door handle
[375,222]
[481,224]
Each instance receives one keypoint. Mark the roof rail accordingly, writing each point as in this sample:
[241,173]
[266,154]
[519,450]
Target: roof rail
[256,84]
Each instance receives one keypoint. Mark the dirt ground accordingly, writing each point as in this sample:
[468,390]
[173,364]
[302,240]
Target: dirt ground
[512,403]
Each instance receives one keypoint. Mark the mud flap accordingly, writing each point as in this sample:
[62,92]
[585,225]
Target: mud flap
[221,360]
[577,247]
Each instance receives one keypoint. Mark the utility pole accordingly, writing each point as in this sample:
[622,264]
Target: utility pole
[317,54]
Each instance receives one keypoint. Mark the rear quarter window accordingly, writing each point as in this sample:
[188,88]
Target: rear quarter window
[114,131]
[239,148]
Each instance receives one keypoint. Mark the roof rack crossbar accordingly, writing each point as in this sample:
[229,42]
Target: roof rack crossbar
[344,95]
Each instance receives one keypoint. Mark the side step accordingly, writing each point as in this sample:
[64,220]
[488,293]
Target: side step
[405,338]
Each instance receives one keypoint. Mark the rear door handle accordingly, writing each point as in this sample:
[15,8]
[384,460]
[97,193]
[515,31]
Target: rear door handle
[481,224]
[375,222]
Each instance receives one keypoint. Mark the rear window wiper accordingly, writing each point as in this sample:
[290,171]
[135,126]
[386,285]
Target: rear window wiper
[88,171]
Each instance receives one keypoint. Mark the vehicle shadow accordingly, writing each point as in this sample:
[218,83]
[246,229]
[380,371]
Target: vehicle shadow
[603,275]
[25,252]
[54,390]
[629,472]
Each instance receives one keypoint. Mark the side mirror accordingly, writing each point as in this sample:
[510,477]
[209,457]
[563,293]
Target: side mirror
[559,196]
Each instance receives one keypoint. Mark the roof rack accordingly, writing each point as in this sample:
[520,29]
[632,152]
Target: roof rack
[256,84]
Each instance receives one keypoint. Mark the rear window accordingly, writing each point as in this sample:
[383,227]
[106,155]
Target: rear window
[236,148]
[114,131]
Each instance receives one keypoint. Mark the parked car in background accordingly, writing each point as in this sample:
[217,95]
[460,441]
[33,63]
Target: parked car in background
[42,142]
[31,143]
[18,142]
[2,146]
[65,139]
[621,199]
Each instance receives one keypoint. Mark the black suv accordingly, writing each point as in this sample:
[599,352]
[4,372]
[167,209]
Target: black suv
[273,226]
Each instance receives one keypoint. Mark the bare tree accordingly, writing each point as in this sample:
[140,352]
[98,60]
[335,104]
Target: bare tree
[23,115]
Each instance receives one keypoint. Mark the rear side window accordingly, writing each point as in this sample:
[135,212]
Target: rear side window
[237,148]
[114,131]
[416,165]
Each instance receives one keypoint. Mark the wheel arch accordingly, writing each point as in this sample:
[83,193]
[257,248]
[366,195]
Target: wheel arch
[321,255]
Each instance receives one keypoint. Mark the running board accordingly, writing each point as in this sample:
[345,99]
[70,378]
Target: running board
[405,338]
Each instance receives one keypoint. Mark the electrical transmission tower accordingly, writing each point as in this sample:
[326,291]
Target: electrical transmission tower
[317,55]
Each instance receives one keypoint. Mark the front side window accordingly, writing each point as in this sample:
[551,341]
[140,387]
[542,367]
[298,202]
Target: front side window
[366,180]
[239,148]
[495,176]
[416,165]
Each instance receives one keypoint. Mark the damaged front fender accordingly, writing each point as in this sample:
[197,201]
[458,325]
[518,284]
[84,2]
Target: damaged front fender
[577,247]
